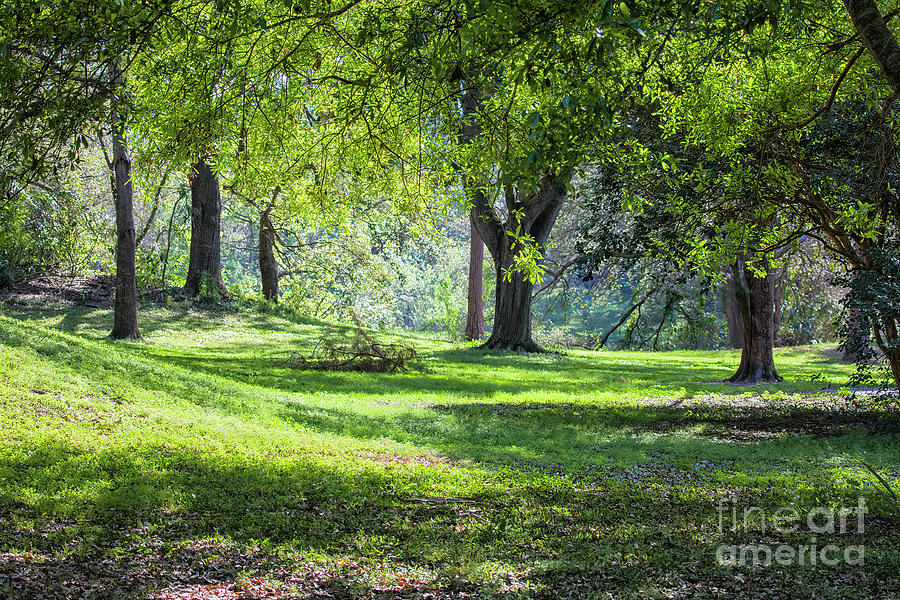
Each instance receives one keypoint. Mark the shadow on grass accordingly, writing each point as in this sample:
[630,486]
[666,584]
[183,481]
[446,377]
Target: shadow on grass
[466,376]
[115,520]
[194,317]
[130,521]
[539,506]
[575,438]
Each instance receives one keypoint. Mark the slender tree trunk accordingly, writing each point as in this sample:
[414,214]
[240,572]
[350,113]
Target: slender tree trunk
[779,283]
[755,298]
[475,310]
[205,263]
[624,317]
[125,324]
[734,319]
[165,266]
[857,338]
[268,266]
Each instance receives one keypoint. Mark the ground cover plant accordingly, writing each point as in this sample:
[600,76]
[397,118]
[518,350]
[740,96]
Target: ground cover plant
[198,464]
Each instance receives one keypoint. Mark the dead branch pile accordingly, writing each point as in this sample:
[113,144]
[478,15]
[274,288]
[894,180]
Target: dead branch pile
[364,355]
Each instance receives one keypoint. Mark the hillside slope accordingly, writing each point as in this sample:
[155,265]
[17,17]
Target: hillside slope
[198,464]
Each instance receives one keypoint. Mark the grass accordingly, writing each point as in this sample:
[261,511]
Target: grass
[197,464]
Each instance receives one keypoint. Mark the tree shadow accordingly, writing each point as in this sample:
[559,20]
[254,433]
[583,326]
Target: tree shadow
[579,499]
[162,518]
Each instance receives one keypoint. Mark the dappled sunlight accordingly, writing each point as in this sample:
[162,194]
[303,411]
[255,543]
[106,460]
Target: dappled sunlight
[195,464]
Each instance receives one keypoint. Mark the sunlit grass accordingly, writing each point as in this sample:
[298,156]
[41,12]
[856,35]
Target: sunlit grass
[592,471]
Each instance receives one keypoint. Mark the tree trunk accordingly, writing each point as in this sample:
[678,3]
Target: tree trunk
[538,212]
[893,358]
[733,317]
[125,325]
[512,308]
[268,266]
[779,284]
[878,39]
[527,215]
[475,310]
[205,263]
[755,298]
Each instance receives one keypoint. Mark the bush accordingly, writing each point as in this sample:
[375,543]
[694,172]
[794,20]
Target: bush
[364,354]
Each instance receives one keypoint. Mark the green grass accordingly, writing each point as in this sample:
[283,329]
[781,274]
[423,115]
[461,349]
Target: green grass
[196,462]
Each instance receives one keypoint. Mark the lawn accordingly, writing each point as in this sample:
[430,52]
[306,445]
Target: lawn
[197,464]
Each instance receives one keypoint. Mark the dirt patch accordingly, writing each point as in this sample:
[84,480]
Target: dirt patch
[93,291]
[422,459]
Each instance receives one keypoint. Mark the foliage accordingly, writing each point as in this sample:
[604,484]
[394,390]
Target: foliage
[45,229]
[874,299]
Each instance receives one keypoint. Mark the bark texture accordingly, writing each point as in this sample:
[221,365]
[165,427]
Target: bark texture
[475,308]
[205,264]
[734,319]
[125,324]
[877,38]
[756,301]
[268,266]
[512,306]
[528,214]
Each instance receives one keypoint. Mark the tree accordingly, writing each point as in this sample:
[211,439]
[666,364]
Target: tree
[205,263]
[268,265]
[746,112]
[531,218]
[125,324]
[63,65]
[657,199]
[533,102]
[475,297]
[755,295]
[527,224]
[872,29]
[734,317]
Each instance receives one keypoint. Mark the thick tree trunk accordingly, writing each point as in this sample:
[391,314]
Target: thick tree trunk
[878,39]
[755,298]
[205,263]
[268,266]
[528,214]
[475,309]
[512,308]
[125,325]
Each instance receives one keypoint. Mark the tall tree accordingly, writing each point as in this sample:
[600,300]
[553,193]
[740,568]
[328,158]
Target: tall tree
[125,324]
[531,218]
[834,169]
[268,264]
[63,66]
[525,227]
[205,261]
